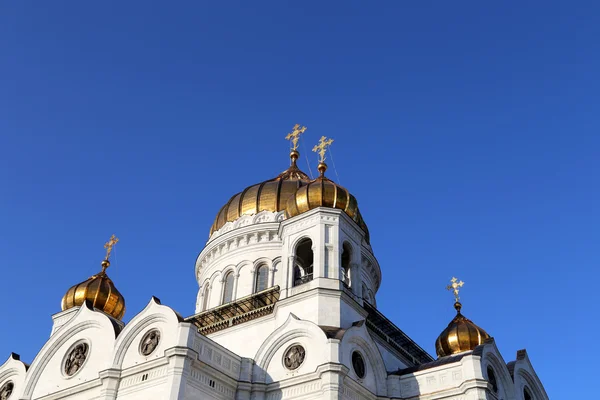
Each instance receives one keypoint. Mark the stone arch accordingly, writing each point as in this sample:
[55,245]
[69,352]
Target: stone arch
[347,258]
[15,371]
[228,283]
[293,328]
[154,313]
[527,380]
[303,265]
[357,337]
[502,374]
[83,320]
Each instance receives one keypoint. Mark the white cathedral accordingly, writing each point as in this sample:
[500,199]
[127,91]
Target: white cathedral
[286,309]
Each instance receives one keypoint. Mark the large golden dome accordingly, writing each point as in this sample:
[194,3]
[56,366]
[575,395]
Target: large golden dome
[100,290]
[460,335]
[323,192]
[269,195]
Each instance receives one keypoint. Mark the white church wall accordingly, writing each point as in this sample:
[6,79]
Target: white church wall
[47,374]
[391,360]
[154,317]
[357,339]
[269,365]
[491,358]
[525,377]
[13,371]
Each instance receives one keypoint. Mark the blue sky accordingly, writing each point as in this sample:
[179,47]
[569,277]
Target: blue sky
[467,131]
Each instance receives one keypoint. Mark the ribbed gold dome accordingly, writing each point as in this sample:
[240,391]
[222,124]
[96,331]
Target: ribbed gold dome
[269,195]
[460,335]
[100,291]
[323,192]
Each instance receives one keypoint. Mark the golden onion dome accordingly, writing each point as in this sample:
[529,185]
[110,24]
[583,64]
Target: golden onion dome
[100,290]
[460,335]
[323,192]
[269,195]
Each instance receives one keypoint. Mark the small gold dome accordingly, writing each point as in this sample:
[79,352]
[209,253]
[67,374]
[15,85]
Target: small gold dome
[269,195]
[460,335]
[323,192]
[100,291]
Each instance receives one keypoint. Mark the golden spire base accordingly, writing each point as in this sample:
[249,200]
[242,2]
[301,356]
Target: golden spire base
[105,264]
[322,167]
[294,154]
[457,307]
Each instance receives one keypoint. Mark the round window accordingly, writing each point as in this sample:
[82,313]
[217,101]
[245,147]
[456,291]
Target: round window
[149,342]
[75,358]
[6,390]
[294,357]
[358,363]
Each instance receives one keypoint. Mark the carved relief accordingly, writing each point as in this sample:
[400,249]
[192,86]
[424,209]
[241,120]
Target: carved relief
[76,359]
[294,357]
[6,390]
[149,342]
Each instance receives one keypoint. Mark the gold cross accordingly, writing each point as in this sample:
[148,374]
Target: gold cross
[294,135]
[109,245]
[454,287]
[321,148]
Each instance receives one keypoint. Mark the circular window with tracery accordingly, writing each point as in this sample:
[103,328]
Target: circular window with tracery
[358,363]
[294,357]
[76,358]
[6,390]
[149,342]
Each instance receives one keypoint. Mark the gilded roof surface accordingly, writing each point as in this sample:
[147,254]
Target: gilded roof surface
[270,195]
[323,192]
[100,290]
[460,335]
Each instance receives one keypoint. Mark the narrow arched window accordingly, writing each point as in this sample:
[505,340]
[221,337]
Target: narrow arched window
[345,271]
[262,276]
[527,394]
[205,298]
[303,268]
[492,379]
[228,288]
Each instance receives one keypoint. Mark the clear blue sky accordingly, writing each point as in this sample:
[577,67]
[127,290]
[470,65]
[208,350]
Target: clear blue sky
[467,131]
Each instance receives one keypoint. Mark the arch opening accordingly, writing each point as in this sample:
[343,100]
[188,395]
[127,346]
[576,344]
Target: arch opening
[303,262]
[228,288]
[261,279]
[205,298]
[345,270]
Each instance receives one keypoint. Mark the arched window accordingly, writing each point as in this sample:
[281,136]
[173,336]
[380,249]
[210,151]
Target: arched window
[492,379]
[228,288]
[527,394]
[303,268]
[345,271]
[205,298]
[262,277]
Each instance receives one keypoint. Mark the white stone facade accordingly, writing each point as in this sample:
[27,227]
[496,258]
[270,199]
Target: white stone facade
[331,316]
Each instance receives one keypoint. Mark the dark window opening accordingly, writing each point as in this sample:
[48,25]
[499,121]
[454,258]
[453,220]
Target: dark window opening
[228,290]
[358,363]
[303,268]
[346,255]
[527,394]
[262,275]
[492,379]
[205,300]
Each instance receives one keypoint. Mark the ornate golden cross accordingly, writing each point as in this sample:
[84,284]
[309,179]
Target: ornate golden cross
[321,148]
[454,287]
[109,245]
[294,135]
